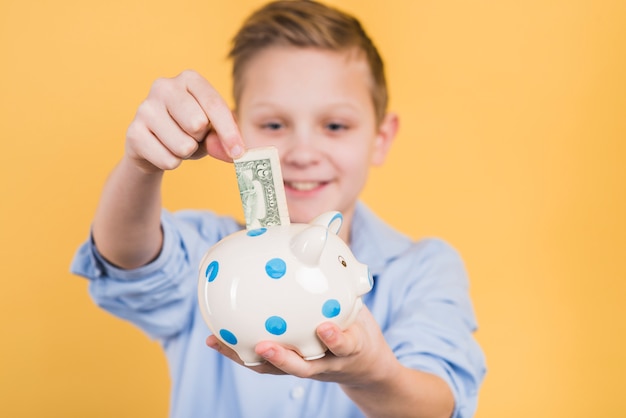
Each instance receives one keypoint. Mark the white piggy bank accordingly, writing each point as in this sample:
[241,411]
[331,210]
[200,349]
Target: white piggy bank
[279,283]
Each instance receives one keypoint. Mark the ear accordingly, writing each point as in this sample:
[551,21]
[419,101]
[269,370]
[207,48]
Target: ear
[308,244]
[386,134]
[331,220]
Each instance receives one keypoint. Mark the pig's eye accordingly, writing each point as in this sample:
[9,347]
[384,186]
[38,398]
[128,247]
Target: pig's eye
[343,261]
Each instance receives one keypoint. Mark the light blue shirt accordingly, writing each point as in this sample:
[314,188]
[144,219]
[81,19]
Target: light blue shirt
[420,300]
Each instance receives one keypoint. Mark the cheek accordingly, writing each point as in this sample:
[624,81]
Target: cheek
[354,156]
[353,165]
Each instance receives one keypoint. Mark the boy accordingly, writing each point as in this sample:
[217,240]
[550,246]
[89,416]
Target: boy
[307,80]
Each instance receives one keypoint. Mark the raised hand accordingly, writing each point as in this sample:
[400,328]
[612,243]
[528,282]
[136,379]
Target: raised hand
[182,118]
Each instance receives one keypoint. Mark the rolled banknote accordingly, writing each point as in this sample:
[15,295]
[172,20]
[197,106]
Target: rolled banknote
[261,188]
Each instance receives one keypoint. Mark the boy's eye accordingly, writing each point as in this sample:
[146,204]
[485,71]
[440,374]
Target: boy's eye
[335,127]
[272,126]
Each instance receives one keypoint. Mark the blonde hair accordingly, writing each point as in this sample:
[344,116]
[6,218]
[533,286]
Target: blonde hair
[305,23]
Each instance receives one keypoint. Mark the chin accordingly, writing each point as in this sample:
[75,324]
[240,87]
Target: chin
[301,219]
[304,216]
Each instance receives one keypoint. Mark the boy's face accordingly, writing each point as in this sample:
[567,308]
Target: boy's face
[316,107]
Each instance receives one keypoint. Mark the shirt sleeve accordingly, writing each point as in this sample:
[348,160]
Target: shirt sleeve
[432,328]
[160,296]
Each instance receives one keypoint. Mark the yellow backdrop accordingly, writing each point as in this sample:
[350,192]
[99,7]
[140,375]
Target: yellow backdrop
[512,147]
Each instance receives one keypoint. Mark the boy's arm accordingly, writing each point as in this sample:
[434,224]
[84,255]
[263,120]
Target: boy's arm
[410,393]
[397,390]
[127,225]
[182,118]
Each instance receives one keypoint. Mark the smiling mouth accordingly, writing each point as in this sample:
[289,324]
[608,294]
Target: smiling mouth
[304,186]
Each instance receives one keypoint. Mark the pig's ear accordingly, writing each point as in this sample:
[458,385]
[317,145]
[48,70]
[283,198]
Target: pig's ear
[331,220]
[308,244]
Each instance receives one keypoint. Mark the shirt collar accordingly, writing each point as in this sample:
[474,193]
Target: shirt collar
[373,242]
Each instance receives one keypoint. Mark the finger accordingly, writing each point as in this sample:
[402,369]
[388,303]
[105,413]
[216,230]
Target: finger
[214,147]
[285,360]
[340,343]
[218,113]
[266,368]
[143,145]
[169,132]
[184,109]
[213,342]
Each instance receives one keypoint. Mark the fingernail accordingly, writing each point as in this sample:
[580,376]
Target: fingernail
[325,334]
[236,151]
[268,354]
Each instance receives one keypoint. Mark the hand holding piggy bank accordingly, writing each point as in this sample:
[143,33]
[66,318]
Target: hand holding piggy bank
[280,283]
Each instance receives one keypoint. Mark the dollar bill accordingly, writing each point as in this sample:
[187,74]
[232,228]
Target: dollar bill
[261,188]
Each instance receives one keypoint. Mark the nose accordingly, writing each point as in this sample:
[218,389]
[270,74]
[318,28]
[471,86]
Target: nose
[365,281]
[301,149]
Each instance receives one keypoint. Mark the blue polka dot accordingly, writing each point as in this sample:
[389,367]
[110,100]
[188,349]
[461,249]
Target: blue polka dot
[256,232]
[276,268]
[228,336]
[331,308]
[276,325]
[211,270]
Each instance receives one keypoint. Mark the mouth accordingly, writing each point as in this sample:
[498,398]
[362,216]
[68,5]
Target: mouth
[304,186]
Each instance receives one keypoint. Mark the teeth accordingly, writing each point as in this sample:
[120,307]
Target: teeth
[304,185]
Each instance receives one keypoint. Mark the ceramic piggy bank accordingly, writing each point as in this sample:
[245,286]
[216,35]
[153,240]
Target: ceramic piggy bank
[279,283]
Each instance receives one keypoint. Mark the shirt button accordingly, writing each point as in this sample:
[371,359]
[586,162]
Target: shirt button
[297,392]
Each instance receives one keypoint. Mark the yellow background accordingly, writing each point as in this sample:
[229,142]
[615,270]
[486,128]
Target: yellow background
[512,147]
